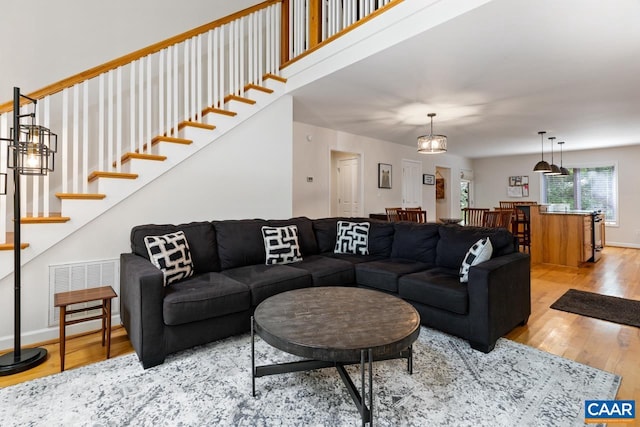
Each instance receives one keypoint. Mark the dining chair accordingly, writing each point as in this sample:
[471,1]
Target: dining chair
[491,219]
[473,216]
[413,215]
[392,214]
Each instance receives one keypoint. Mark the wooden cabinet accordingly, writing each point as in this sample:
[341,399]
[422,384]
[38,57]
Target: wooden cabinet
[560,238]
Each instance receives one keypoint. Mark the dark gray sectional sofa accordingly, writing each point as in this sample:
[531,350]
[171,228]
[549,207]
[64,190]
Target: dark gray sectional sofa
[417,262]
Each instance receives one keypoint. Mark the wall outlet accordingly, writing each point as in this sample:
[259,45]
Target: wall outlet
[309,179]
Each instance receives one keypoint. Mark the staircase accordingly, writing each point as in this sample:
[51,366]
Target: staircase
[123,125]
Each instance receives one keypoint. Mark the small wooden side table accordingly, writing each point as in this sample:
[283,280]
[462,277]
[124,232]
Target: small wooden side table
[63,299]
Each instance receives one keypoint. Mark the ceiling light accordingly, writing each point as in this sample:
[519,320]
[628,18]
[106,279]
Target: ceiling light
[555,170]
[563,171]
[542,166]
[432,144]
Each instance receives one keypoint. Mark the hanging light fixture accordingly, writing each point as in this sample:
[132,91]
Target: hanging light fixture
[563,171]
[555,170]
[542,166]
[432,144]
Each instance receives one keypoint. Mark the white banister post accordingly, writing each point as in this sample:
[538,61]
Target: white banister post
[222,69]
[209,100]
[193,97]
[199,86]
[216,71]
[243,79]
[176,97]
[185,113]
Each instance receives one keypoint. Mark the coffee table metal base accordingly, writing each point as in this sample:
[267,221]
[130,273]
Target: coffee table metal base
[365,408]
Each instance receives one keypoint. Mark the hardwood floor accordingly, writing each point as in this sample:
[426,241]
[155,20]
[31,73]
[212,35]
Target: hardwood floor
[604,345]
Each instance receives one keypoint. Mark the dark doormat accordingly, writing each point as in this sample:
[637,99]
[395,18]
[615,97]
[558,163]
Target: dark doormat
[613,309]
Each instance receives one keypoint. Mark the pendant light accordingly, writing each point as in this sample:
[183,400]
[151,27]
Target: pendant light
[555,170]
[563,171]
[432,144]
[542,166]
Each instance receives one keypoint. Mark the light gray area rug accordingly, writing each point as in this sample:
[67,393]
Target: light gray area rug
[514,385]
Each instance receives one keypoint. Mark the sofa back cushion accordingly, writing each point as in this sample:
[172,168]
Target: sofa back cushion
[455,241]
[200,236]
[379,241]
[306,236]
[414,241]
[240,242]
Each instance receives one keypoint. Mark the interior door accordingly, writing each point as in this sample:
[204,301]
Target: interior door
[411,183]
[348,187]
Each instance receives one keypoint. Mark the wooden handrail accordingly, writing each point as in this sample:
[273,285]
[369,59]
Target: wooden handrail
[123,60]
[342,32]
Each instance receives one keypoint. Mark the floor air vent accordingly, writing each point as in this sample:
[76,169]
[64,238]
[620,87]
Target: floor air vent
[72,277]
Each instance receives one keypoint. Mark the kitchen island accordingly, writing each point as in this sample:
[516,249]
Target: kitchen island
[569,238]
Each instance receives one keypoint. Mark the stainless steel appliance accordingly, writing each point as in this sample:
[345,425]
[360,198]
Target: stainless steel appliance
[597,223]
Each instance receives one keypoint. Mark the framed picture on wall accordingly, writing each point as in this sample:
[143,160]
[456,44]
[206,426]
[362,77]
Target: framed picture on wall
[428,179]
[384,175]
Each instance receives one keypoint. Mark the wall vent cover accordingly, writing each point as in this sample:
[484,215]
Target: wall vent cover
[83,275]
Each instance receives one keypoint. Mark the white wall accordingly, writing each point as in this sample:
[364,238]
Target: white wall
[312,147]
[491,175]
[247,173]
[90,33]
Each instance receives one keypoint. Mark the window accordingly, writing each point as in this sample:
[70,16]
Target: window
[587,188]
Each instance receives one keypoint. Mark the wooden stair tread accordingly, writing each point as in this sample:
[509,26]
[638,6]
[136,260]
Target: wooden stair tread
[140,156]
[258,87]
[173,139]
[239,99]
[8,245]
[44,219]
[196,125]
[274,77]
[80,196]
[116,175]
[219,111]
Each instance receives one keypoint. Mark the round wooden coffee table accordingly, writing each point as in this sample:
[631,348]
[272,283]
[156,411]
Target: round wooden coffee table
[334,327]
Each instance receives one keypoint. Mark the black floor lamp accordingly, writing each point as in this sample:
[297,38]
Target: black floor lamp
[31,152]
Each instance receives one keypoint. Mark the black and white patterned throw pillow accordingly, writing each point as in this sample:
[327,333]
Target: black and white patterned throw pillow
[281,244]
[170,253]
[480,252]
[352,238]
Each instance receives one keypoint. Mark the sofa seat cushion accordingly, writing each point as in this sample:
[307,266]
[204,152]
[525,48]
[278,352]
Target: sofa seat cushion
[438,287]
[326,271]
[353,259]
[203,297]
[268,280]
[384,274]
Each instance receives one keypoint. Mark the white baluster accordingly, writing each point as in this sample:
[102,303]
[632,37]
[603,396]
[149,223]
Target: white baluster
[75,140]
[209,68]
[85,137]
[4,133]
[198,109]
[222,67]
[119,91]
[101,129]
[278,25]
[241,76]
[132,108]
[64,140]
[45,186]
[216,71]
[111,141]
[193,96]
[147,137]
[185,114]
[162,107]
[140,123]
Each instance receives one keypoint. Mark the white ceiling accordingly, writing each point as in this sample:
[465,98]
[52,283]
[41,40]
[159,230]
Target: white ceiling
[495,76]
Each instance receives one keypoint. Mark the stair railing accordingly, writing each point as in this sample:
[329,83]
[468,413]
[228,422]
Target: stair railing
[121,106]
